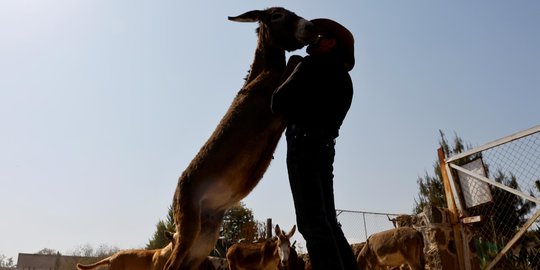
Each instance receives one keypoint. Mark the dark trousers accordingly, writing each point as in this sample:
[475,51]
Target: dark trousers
[310,165]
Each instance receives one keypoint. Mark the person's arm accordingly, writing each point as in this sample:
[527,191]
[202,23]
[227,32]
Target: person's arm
[292,64]
[282,93]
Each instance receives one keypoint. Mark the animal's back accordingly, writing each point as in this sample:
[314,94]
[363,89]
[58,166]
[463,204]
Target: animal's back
[124,260]
[132,260]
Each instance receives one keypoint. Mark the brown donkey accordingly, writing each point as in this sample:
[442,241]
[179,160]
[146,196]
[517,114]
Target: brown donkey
[393,248]
[136,259]
[235,157]
[267,255]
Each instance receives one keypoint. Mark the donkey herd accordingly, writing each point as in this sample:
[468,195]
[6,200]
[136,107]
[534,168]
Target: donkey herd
[231,163]
[392,249]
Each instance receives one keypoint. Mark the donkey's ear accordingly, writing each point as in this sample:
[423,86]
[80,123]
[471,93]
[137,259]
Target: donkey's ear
[250,16]
[291,232]
[278,231]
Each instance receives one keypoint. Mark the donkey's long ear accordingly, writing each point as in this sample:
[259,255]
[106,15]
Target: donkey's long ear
[278,230]
[250,16]
[291,232]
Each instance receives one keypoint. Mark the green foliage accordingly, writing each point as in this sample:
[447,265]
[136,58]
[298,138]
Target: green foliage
[431,188]
[505,215]
[159,240]
[431,191]
[511,209]
[238,225]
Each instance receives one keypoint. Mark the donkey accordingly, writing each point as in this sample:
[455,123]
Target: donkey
[136,259]
[267,255]
[393,248]
[235,157]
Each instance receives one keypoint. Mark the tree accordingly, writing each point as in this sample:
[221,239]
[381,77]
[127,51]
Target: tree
[83,251]
[159,240]
[503,216]
[86,254]
[509,209]
[88,250]
[6,262]
[47,251]
[238,225]
[431,188]
[104,250]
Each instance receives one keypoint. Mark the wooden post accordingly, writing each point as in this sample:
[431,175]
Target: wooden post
[268,228]
[454,216]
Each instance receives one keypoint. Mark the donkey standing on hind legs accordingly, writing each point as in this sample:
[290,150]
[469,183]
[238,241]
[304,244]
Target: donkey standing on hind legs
[235,157]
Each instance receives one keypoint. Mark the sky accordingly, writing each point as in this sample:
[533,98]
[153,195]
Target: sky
[103,104]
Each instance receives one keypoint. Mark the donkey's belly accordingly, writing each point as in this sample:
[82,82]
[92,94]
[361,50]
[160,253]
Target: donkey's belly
[235,157]
[236,178]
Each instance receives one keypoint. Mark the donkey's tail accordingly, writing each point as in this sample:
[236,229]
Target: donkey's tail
[105,261]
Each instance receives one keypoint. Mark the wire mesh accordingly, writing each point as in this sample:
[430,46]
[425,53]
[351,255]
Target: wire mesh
[358,226]
[516,165]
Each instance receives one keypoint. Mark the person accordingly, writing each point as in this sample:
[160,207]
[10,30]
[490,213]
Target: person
[314,100]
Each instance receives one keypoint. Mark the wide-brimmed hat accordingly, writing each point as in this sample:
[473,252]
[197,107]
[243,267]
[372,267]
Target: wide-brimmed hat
[342,35]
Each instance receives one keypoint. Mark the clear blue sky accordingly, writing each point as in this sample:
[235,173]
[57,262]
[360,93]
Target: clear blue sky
[104,103]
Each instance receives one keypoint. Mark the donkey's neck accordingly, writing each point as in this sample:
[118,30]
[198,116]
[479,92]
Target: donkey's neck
[267,58]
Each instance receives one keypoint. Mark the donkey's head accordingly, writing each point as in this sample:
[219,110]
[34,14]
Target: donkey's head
[280,28]
[284,244]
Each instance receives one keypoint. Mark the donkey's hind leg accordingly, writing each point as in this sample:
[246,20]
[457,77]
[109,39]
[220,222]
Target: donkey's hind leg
[188,226]
[207,238]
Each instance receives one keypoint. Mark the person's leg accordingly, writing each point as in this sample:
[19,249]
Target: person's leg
[303,159]
[326,165]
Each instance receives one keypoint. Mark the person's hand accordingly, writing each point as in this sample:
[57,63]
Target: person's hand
[294,60]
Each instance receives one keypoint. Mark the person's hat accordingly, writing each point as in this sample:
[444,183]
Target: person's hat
[342,35]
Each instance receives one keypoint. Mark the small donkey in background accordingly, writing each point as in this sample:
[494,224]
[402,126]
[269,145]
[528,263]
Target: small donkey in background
[267,255]
[135,259]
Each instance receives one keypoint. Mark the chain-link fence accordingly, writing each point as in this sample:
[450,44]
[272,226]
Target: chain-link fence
[499,185]
[358,226]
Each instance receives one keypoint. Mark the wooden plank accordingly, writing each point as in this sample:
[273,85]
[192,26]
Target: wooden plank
[451,203]
[474,219]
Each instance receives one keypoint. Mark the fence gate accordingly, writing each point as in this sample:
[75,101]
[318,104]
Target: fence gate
[496,189]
